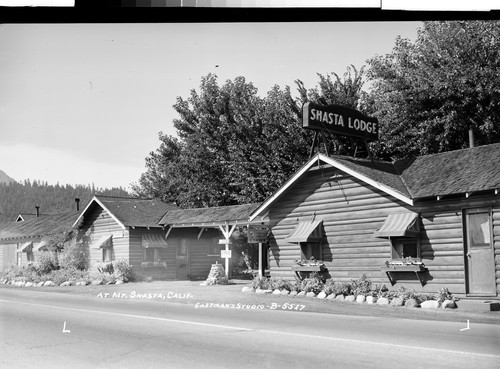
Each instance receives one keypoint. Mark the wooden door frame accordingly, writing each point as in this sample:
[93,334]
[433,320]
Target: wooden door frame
[188,256]
[465,227]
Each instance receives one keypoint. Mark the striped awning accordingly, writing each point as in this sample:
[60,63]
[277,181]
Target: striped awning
[153,240]
[399,225]
[306,232]
[40,246]
[104,241]
[25,247]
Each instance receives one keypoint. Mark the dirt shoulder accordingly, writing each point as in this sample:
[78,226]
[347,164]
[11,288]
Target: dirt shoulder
[231,297]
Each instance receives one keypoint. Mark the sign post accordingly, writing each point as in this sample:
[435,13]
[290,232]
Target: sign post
[258,235]
[339,120]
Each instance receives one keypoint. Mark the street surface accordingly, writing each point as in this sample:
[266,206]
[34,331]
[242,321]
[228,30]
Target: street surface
[55,330]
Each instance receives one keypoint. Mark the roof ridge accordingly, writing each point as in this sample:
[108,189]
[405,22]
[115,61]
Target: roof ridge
[400,175]
[125,198]
[446,152]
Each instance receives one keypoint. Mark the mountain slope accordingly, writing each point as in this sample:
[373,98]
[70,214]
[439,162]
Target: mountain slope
[4,178]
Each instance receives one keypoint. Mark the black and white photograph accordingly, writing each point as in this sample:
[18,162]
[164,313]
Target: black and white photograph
[249,184]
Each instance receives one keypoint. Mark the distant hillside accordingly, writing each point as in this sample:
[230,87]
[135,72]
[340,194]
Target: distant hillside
[4,178]
[16,198]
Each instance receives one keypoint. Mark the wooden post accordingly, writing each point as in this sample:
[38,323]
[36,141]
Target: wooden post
[226,231]
[261,272]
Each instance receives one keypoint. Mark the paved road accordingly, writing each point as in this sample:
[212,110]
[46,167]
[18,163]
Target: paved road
[44,330]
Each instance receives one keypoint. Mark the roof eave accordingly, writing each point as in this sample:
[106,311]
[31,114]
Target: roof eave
[95,199]
[338,165]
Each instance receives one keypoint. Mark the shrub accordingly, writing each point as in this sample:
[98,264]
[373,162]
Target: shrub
[65,274]
[294,286]
[337,288]
[329,287]
[379,290]
[123,270]
[361,286]
[279,283]
[105,267]
[261,282]
[423,296]
[444,294]
[75,256]
[46,262]
[313,284]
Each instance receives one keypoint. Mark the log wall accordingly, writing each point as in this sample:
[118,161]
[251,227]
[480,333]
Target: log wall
[352,211]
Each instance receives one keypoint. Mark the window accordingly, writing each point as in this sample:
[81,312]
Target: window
[107,254]
[479,229]
[30,257]
[151,254]
[405,248]
[311,249]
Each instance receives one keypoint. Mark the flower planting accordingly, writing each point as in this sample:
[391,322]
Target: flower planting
[359,290]
[65,271]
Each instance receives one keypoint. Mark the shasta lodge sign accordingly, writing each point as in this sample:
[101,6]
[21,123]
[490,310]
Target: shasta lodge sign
[340,120]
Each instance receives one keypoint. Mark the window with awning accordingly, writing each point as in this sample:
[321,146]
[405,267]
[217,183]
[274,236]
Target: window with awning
[306,232]
[25,247]
[154,241]
[399,225]
[102,242]
[402,230]
[40,246]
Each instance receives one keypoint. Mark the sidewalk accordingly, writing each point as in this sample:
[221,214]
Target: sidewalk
[191,292]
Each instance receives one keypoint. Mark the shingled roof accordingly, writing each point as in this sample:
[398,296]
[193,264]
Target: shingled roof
[448,173]
[209,216]
[453,172]
[131,212]
[37,227]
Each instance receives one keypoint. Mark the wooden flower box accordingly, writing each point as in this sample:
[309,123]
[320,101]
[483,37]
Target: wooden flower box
[154,264]
[303,271]
[404,268]
[308,268]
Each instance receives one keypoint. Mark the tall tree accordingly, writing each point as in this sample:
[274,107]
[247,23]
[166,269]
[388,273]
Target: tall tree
[345,91]
[427,94]
[234,146]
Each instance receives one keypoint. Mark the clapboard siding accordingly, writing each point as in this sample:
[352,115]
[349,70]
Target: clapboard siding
[98,223]
[199,260]
[7,255]
[352,211]
[136,252]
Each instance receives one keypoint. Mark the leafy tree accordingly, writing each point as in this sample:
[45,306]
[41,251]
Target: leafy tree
[234,146]
[345,91]
[427,94]
[332,89]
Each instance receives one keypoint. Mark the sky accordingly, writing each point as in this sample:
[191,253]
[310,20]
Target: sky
[84,103]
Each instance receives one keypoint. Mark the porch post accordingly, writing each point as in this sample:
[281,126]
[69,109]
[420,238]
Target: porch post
[261,274]
[227,234]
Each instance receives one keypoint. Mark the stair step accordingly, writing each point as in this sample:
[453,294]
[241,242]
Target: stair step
[478,305]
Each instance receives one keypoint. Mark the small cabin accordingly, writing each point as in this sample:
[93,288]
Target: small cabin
[158,240]
[20,241]
[424,223]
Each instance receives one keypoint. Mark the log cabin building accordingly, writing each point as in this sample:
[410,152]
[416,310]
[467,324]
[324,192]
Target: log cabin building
[20,240]
[424,223]
[125,228]
[159,240]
